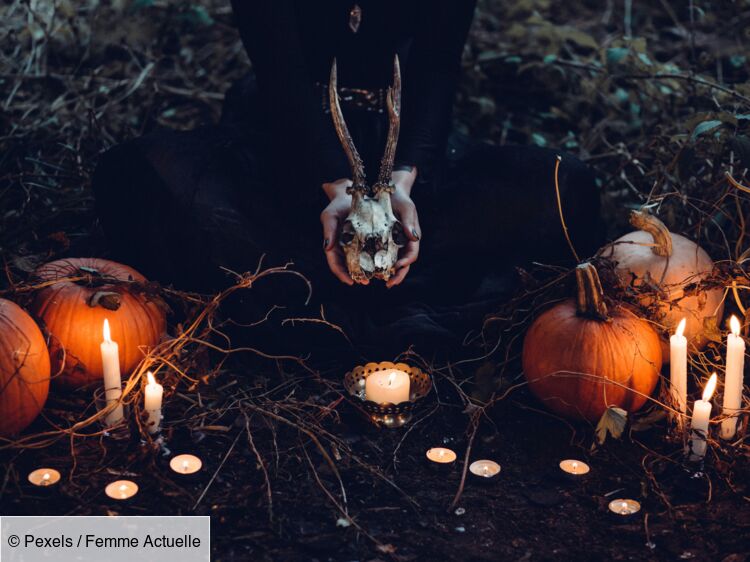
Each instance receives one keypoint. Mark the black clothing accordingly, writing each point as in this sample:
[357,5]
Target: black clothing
[292,44]
[179,206]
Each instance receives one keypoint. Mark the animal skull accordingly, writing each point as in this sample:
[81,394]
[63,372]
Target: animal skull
[371,235]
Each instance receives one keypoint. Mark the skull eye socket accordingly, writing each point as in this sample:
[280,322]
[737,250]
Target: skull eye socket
[399,236]
[347,233]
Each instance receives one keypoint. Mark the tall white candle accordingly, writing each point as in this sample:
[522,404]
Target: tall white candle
[678,371]
[152,404]
[700,420]
[387,387]
[111,370]
[733,379]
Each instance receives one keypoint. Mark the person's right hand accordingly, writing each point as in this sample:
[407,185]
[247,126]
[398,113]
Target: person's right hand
[332,218]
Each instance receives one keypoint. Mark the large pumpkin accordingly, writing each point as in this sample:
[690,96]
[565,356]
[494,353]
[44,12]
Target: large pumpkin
[653,255]
[573,350]
[24,369]
[80,294]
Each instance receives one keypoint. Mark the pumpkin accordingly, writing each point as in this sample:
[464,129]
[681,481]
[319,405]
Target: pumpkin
[24,369]
[579,358]
[80,293]
[654,257]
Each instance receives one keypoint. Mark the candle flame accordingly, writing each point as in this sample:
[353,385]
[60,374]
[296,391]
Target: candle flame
[151,379]
[681,327]
[441,453]
[123,487]
[46,476]
[624,506]
[391,378]
[185,465]
[734,325]
[106,332]
[708,391]
[574,466]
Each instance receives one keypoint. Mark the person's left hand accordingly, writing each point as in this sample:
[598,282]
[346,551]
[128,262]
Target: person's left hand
[406,212]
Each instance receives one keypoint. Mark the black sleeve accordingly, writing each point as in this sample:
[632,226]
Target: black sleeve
[269,33]
[430,80]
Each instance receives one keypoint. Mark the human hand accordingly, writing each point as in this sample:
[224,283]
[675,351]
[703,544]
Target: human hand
[332,219]
[406,212]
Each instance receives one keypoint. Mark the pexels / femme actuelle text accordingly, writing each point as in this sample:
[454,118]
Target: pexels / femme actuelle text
[95,541]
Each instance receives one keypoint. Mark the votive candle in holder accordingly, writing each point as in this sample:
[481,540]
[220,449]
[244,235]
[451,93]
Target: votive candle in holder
[485,471]
[185,465]
[624,509]
[121,490]
[733,379]
[44,477]
[441,458]
[574,469]
[387,387]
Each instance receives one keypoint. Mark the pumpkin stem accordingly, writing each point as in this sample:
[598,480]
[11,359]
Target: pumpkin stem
[643,220]
[590,297]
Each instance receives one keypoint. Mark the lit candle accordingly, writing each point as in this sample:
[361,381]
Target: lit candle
[733,379]
[112,379]
[44,477]
[185,464]
[624,507]
[387,387]
[121,490]
[699,422]
[678,371]
[152,404]
[574,467]
[441,455]
[484,469]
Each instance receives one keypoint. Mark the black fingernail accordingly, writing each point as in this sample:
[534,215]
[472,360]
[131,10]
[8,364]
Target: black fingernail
[325,244]
[414,232]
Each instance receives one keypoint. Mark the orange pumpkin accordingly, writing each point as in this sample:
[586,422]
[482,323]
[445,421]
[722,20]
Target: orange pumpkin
[24,369]
[73,306]
[654,257]
[573,350]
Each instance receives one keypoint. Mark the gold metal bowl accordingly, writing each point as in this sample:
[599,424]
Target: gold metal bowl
[387,414]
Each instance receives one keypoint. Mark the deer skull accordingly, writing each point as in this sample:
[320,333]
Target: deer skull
[371,235]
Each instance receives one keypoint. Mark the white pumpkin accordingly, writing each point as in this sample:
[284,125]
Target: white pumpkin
[653,256]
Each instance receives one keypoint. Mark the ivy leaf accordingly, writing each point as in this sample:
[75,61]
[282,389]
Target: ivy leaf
[615,55]
[611,423]
[704,127]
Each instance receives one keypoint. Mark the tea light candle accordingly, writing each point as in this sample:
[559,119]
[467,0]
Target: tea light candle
[678,371]
[111,372]
[387,387]
[484,469]
[121,490]
[574,468]
[699,422]
[441,456]
[185,464]
[152,404]
[44,477]
[624,507]
[733,379]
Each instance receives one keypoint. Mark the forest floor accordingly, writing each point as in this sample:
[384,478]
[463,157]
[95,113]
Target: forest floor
[653,96]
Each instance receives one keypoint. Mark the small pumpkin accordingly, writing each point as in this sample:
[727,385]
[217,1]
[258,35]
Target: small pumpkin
[654,257]
[573,350]
[79,294]
[24,369]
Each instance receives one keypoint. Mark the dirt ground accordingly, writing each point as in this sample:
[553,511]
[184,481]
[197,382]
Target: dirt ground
[292,469]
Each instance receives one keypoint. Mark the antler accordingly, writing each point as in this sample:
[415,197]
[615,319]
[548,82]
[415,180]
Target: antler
[355,161]
[394,124]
